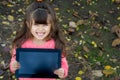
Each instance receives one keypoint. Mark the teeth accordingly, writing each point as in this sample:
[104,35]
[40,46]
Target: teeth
[40,33]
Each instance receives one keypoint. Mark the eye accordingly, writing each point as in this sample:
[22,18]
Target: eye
[45,24]
[36,24]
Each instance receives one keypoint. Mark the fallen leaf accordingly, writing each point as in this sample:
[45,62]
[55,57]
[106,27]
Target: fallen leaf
[5,23]
[80,72]
[76,14]
[118,18]
[20,10]
[93,14]
[72,24]
[56,9]
[80,22]
[10,5]
[107,67]
[10,18]
[97,73]
[1,77]
[108,72]
[78,78]
[95,25]
[116,42]
[117,1]
[116,29]
[85,48]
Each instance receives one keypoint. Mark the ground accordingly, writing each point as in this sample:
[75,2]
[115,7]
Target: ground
[90,44]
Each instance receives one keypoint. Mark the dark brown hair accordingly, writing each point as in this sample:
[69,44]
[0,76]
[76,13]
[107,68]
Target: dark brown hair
[40,12]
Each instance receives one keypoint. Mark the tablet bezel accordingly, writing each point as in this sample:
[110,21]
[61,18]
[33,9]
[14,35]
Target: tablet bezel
[36,50]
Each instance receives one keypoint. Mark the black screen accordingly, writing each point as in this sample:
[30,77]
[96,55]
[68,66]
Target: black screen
[38,63]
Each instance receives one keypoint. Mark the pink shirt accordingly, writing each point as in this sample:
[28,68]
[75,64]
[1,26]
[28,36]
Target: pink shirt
[49,44]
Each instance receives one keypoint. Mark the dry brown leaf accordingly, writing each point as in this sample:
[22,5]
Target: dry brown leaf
[89,1]
[85,48]
[95,25]
[76,14]
[116,29]
[117,1]
[93,14]
[116,42]
[71,29]
[80,22]
[92,33]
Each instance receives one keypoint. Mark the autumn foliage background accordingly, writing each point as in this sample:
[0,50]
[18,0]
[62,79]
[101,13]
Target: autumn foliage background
[91,28]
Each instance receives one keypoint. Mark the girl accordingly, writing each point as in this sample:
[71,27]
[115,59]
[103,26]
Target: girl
[40,30]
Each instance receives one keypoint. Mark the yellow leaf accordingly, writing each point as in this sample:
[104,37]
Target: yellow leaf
[5,23]
[80,72]
[86,56]
[10,18]
[118,18]
[13,76]
[20,10]
[93,42]
[12,11]
[108,72]
[56,9]
[113,0]
[78,78]
[14,32]
[9,5]
[1,77]
[108,67]
[76,55]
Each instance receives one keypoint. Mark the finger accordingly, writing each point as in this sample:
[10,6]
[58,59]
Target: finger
[16,64]
[59,72]
[61,76]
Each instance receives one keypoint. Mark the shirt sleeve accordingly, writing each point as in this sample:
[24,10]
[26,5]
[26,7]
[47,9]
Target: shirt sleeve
[13,58]
[64,65]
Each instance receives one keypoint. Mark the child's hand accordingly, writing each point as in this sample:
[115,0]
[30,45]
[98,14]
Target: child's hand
[15,65]
[59,72]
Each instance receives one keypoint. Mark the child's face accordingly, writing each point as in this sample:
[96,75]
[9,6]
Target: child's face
[40,31]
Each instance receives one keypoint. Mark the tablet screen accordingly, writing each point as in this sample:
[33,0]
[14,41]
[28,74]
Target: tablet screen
[37,63]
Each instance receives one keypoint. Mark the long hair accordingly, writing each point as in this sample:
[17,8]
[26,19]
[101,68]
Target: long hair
[40,12]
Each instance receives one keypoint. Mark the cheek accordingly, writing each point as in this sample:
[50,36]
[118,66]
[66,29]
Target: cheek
[33,29]
[49,28]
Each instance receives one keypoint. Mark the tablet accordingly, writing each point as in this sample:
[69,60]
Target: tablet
[37,63]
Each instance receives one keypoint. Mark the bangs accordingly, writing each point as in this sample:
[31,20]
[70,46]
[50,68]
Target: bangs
[40,16]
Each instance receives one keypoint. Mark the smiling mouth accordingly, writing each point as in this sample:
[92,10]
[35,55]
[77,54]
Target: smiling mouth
[40,33]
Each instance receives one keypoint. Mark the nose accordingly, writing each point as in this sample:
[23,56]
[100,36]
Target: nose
[40,27]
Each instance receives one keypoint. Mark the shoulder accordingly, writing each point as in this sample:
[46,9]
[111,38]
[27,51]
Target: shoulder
[51,43]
